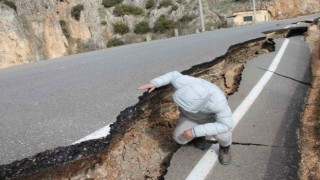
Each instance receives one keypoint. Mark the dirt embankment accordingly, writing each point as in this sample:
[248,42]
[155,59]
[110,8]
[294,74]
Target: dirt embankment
[309,139]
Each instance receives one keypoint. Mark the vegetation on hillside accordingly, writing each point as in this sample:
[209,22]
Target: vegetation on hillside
[110,3]
[163,24]
[142,28]
[115,42]
[11,4]
[76,11]
[150,4]
[120,28]
[126,9]
[165,3]
[174,7]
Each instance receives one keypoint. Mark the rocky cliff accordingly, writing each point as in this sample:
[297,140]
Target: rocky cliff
[45,29]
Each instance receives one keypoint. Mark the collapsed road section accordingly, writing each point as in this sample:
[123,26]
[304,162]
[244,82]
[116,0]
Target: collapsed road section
[139,145]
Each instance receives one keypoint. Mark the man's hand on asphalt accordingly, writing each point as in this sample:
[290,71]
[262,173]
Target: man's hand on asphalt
[149,86]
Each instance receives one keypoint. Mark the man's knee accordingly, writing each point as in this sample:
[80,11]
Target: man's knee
[224,139]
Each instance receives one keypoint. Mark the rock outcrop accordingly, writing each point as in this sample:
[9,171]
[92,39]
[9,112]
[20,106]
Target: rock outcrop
[45,29]
[15,46]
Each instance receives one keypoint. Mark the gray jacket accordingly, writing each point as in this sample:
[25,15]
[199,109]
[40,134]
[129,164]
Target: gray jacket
[199,99]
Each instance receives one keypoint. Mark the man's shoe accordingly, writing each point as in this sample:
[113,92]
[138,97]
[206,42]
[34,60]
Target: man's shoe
[225,155]
[200,143]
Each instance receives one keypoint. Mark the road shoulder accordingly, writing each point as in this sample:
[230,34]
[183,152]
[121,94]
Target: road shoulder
[309,140]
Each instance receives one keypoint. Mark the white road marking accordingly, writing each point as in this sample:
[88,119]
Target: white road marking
[206,163]
[62,67]
[97,134]
[290,26]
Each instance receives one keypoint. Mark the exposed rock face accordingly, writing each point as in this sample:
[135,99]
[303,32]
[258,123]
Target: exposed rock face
[293,8]
[15,47]
[45,29]
[54,41]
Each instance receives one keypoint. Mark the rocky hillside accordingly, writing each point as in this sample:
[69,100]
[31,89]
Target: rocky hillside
[45,29]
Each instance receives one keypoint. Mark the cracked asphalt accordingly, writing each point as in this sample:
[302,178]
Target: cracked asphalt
[57,102]
[265,140]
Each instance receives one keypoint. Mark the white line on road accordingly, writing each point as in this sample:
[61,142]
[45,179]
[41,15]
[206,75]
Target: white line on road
[62,67]
[206,163]
[97,134]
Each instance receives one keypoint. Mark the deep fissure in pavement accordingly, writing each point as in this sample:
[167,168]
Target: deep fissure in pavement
[140,145]
[287,77]
[208,144]
[257,144]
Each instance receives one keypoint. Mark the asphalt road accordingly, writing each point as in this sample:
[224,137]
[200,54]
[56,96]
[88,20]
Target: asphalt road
[57,102]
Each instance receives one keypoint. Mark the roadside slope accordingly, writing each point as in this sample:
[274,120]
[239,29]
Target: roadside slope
[309,139]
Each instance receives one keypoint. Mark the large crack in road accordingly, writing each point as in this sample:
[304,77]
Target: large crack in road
[140,143]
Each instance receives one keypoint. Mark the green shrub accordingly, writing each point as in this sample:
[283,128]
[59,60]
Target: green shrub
[126,9]
[185,19]
[165,3]
[62,23]
[174,7]
[142,28]
[150,4]
[103,22]
[11,4]
[76,11]
[110,3]
[115,42]
[120,28]
[163,24]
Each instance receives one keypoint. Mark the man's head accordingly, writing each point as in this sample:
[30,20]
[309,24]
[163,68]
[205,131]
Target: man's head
[192,98]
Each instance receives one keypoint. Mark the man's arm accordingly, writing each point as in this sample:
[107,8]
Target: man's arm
[165,79]
[224,123]
[160,81]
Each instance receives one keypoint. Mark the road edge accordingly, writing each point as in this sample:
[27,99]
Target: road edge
[309,139]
